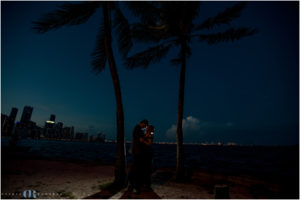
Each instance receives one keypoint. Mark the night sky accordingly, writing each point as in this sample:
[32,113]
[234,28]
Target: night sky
[245,92]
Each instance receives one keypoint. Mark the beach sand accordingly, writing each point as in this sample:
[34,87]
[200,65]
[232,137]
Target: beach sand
[54,179]
[80,179]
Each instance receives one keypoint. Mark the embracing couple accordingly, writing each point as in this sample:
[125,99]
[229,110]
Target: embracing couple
[140,172]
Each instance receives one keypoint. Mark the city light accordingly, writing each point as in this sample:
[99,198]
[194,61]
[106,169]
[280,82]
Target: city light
[50,122]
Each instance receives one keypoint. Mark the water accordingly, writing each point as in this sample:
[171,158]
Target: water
[270,162]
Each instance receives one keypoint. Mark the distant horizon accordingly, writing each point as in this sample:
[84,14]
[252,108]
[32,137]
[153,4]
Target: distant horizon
[207,143]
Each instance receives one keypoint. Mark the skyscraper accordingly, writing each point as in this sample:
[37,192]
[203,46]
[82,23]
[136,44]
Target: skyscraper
[58,130]
[26,115]
[11,121]
[52,118]
[13,114]
[4,122]
[49,129]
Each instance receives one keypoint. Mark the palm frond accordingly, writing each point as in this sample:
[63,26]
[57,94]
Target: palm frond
[67,14]
[176,11]
[146,33]
[99,54]
[123,32]
[148,12]
[191,11]
[229,35]
[223,18]
[151,55]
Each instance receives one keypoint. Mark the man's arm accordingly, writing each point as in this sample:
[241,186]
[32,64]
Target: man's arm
[148,140]
[142,139]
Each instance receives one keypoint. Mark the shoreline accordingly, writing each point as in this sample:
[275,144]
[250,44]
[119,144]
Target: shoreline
[212,144]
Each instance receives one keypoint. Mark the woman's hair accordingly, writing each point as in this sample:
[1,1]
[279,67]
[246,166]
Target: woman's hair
[151,128]
[145,122]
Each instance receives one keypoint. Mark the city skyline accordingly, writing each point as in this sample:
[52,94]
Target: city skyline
[27,128]
[51,119]
[244,92]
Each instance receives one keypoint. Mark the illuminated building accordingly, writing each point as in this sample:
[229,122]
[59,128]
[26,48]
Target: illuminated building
[49,130]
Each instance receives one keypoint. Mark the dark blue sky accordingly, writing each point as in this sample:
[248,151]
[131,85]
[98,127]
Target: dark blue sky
[245,92]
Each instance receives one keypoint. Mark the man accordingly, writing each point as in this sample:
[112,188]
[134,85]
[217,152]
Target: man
[147,156]
[136,171]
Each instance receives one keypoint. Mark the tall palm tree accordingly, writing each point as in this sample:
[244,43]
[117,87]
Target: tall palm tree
[78,13]
[172,24]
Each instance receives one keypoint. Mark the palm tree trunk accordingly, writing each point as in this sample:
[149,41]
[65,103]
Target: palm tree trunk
[120,165]
[180,157]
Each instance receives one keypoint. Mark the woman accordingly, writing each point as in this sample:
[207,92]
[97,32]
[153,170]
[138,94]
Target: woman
[147,155]
[136,173]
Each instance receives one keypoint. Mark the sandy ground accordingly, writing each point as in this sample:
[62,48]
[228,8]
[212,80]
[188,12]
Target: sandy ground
[54,179]
[62,179]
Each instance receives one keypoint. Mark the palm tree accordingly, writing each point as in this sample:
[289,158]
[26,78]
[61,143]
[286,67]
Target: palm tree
[78,13]
[172,24]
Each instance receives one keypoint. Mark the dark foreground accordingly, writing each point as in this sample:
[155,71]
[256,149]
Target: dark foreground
[53,179]
[56,169]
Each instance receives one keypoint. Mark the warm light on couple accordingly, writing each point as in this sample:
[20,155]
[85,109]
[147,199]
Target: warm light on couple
[140,173]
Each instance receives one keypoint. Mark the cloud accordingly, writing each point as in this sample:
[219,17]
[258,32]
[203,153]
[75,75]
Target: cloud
[171,132]
[189,125]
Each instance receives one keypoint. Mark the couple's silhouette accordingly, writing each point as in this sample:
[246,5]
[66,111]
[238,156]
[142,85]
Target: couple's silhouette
[140,172]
